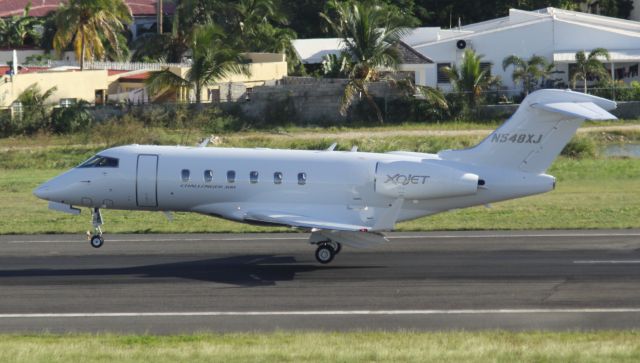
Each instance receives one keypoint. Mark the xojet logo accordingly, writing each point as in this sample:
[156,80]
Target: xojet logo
[402,179]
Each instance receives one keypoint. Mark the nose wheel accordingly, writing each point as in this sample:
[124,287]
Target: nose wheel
[327,251]
[96,240]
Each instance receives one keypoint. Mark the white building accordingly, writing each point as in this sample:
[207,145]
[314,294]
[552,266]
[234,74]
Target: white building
[552,33]
[314,51]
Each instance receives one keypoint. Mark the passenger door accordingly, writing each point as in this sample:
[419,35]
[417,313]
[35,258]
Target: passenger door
[147,181]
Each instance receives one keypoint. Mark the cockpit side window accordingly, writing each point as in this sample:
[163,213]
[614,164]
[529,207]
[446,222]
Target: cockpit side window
[99,161]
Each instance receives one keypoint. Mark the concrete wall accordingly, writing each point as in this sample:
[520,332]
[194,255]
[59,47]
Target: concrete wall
[70,84]
[6,55]
[314,101]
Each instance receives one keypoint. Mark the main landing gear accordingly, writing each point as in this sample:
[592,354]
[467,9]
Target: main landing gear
[327,250]
[96,238]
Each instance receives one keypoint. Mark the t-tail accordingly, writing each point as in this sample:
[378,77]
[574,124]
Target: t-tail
[536,134]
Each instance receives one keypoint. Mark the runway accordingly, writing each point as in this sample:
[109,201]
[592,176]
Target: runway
[555,280]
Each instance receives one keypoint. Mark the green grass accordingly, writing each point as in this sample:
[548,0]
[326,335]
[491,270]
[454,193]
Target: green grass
[591,193]
[491,346]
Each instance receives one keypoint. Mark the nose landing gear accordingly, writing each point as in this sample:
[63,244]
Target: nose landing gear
[95,239]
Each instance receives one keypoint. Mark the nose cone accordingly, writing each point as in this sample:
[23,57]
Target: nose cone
[43,191]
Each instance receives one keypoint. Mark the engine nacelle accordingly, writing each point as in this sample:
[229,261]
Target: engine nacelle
[423,180]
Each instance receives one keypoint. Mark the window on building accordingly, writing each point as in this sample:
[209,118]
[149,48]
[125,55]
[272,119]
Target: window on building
[214,95]
[248,93]
[443,76]
[208,176]
[253,177]
[231,176]
[186,175]
[67,102]
[486,67]
[277,177]
[302,178]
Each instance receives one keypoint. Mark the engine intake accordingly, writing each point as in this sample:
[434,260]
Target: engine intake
[423,180]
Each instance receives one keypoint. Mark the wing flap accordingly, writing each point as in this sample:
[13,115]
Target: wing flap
[294,220]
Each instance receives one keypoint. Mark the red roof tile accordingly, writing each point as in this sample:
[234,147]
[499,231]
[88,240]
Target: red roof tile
[43,7]
[135,78]
[112,72]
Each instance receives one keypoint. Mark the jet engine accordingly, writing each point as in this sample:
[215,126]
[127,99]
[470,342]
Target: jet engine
[423,180]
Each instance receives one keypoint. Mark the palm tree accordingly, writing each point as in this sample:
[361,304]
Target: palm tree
[19,30]
[529,72]
[470,80]
[369,33]
[589,66]
[89,23]
[212,61]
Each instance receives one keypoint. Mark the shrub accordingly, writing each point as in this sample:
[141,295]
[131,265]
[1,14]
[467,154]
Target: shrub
[580,148]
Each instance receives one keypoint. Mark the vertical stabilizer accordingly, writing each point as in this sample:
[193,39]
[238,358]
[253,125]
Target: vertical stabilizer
[537,132]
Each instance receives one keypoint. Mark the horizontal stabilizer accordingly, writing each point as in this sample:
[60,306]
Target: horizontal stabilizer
[583,110]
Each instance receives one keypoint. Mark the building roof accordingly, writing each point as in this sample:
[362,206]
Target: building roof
[44,7]
[135,78]
[313,51]
[517,18]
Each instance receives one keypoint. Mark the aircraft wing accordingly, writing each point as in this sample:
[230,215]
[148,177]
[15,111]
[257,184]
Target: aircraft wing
[296,220]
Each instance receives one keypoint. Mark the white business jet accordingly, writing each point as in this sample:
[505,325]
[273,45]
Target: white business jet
[342,198]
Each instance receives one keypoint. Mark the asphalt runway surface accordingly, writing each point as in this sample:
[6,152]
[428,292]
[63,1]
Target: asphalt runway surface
[551,280]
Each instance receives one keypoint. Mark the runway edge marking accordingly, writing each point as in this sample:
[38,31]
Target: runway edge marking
[270,238]
[321,313]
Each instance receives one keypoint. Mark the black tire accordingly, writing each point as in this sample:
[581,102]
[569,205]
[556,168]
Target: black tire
[338,248]
[97,241]
[325,254]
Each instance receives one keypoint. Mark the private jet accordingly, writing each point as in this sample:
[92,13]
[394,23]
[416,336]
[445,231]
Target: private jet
[341,198]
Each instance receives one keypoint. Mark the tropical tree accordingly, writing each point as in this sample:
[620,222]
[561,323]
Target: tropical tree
[90,24]
[529,72]
[589,66]
[369,32]
[21,30]
[469,79]
[36,108]
[335,66]
[212,61]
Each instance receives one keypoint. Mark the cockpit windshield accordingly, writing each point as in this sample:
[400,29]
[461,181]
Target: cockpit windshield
[100,161]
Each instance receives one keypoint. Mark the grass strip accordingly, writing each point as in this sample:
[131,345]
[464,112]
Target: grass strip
[403,346]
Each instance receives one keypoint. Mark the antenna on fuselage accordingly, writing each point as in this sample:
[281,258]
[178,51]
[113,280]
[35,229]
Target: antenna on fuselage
[332,147]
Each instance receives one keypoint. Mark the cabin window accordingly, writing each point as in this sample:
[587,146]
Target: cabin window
[231,176]
[100,162]
[253,177]
[186,175]
[277,177]
[208,176]
[302,178]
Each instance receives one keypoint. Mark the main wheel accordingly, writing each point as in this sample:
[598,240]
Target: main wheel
[325,253]
[337,248]
[97,241]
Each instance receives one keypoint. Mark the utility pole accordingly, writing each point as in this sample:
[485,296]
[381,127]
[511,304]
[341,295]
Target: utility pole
[159,16]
